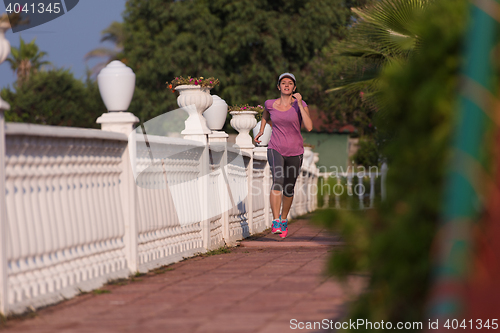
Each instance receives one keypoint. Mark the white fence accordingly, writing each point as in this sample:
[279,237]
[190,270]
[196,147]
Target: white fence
[353,184]
[76,213]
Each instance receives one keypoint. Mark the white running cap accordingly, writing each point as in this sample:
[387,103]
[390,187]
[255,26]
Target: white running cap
[290,75]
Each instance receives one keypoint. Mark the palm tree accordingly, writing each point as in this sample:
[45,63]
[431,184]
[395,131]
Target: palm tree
[385,33]
[26,60]
[115,34]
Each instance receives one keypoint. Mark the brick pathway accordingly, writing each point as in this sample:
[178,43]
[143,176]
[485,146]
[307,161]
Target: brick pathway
[257,287]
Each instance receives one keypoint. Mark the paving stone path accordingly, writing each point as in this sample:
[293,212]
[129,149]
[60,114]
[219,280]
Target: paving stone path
[259,286]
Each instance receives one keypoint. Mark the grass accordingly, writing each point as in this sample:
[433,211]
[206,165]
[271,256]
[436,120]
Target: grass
[163,269]
[215,252]
[101,291]
[118,282]
[28,314]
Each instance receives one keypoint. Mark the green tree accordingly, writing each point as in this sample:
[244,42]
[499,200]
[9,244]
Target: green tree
[244,43]
[114,34]
[26,60]
[55,97]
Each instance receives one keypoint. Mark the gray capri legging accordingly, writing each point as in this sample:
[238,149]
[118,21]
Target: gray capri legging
[285,170]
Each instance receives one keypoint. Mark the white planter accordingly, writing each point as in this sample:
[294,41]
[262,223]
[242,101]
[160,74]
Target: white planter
[243,122]
[194,100]
[264,139]
[116,85]
[216,114]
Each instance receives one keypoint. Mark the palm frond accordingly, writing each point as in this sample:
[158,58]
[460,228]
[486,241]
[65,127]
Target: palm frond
[101,52]
[390,24]
[114,33]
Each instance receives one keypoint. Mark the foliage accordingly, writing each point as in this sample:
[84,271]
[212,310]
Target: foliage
[341,107]
[196,81]
[13,19]
[244,43]
[114,34]
[55,97]
[26,60]
[367,154]
[385,33]
[393,242]
[245,107]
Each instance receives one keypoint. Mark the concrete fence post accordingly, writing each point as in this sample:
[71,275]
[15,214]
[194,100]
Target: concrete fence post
[203,187]
[249,208]
[123,122]
[219,138]
[266,185]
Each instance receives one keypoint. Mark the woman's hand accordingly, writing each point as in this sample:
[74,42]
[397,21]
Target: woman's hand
[258,136]
[304,111]
[298,97]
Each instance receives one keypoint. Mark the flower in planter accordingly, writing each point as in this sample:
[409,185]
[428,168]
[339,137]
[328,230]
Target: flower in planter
[246,107]
[196,81]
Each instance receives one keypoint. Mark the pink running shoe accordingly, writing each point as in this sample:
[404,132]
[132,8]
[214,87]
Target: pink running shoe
[284,228]
[276,228]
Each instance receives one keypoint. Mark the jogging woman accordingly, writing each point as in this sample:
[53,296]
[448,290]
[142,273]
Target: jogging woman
[286,147]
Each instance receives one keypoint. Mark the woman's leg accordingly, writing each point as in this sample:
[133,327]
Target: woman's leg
[292,171]
[287,203]
[276,164]
[275,203]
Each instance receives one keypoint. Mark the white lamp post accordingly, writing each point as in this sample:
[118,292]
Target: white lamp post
[116,85]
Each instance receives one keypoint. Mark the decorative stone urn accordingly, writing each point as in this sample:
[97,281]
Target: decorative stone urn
[194,100]
[116,85]
[264,139]
[216,114]
[243,122]
[4,53]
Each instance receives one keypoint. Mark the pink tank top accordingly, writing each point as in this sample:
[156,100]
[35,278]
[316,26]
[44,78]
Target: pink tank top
[286,138]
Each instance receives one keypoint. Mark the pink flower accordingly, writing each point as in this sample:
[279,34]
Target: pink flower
[195,83]
[210,81]
[244,108]
[361,94]
[190,80]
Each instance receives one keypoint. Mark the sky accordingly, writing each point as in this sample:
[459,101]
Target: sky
[68,38]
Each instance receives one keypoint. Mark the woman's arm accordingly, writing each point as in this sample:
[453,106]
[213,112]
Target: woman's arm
[304,111]
[265,119]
